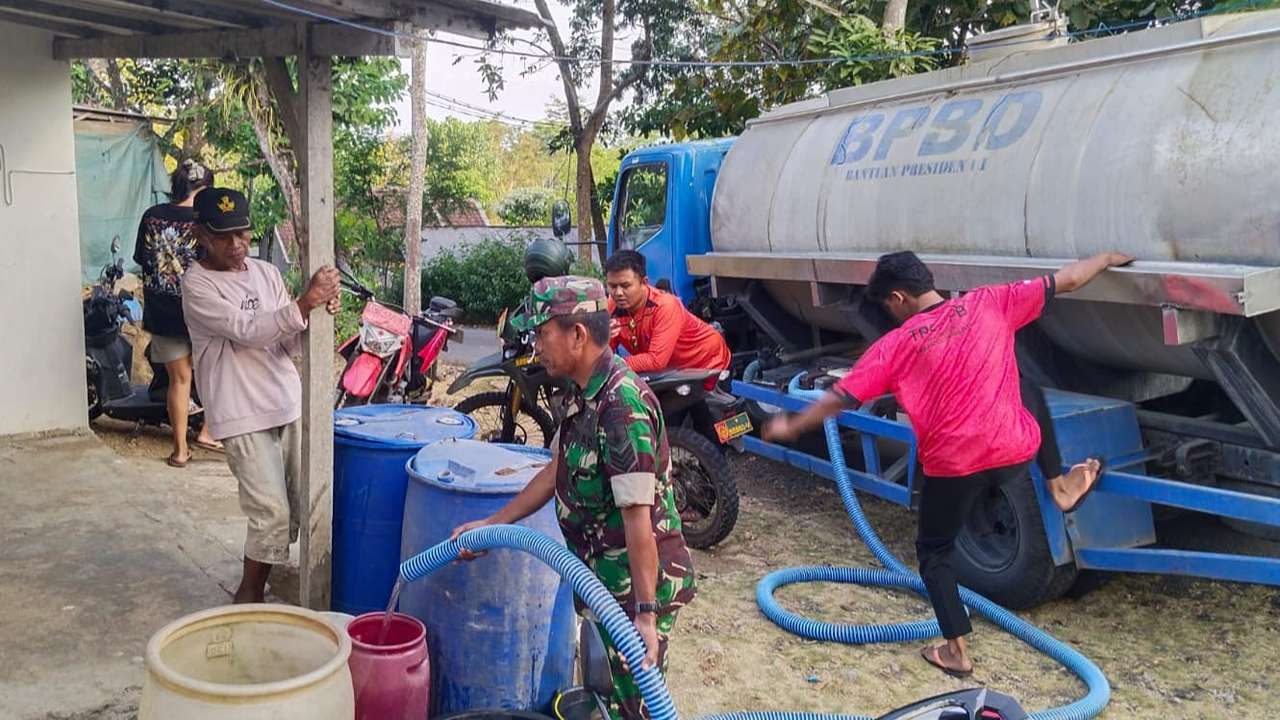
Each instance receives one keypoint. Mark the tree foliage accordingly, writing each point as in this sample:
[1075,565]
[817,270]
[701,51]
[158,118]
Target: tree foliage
[527,206]
[682,102]
[717,102]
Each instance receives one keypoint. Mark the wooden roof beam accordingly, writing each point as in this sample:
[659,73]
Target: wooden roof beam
[65,29]
[477,19]
[193,10]
[274,41]
[66,13]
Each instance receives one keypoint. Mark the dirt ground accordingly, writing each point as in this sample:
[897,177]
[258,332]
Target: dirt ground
[1171,647]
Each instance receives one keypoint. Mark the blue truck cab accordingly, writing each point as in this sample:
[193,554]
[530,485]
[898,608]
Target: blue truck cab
[662,207]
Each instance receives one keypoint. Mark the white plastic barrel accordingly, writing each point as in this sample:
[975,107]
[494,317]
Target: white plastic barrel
[248,662]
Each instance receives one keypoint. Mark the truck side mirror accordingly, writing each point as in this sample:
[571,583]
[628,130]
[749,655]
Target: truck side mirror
[561,219]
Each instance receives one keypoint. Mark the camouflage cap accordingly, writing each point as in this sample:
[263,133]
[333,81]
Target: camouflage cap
[563,295]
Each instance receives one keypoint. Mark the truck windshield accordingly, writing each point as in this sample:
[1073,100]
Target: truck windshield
[643,204]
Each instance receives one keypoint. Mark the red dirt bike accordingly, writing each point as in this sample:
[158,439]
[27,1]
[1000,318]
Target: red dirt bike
[392,359]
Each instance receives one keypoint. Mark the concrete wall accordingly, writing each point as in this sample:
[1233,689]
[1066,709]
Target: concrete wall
[42,379]
[436,239]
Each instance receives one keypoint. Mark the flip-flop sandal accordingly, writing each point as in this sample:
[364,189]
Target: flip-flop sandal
[174,462]
[933,656]
[1102,467]
[213,446]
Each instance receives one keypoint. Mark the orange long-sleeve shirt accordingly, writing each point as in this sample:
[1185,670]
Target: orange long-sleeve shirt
[664,334]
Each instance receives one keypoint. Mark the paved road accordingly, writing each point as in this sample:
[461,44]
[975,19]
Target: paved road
[476,343]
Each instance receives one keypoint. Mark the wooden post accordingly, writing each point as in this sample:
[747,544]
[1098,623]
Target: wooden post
[315,87]
[417,173]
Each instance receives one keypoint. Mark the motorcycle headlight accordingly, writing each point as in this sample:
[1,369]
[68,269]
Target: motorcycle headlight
[377,341]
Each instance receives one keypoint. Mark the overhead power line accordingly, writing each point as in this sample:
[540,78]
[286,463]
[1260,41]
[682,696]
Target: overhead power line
[785,62]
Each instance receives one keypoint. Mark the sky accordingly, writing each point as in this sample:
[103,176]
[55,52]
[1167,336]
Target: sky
[524,97]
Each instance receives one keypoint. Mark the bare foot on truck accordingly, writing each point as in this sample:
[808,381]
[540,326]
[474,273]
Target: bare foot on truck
[1070,490]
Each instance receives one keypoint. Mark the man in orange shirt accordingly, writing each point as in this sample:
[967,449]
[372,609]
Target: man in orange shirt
[654,326]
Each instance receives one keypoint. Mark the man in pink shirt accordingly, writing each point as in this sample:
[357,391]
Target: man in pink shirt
[950,364]
[244,331]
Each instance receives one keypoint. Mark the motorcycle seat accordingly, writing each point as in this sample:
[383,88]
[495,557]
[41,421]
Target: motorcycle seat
[675,375]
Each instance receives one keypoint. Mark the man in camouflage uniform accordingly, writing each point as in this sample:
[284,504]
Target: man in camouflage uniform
[610,475]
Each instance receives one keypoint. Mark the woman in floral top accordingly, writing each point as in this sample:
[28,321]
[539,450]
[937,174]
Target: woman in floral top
[166,247]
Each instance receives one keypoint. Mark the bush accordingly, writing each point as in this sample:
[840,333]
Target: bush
[484,279]
[527,207]
[586,269]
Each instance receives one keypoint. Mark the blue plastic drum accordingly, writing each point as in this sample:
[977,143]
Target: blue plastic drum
[500,629]
[371,445]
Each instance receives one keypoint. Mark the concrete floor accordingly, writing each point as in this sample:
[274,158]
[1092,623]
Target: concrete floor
[97,552]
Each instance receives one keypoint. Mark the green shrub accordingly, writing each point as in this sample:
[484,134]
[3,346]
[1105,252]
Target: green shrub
[586,269]
[484,279]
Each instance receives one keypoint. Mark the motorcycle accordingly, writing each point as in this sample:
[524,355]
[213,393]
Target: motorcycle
[698,421]
[108,355]
[392,358]
[520,413]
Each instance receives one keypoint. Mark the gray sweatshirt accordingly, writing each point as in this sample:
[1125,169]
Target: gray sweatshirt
[244,329]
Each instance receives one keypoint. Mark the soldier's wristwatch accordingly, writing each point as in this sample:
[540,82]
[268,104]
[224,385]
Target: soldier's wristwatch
[646,607]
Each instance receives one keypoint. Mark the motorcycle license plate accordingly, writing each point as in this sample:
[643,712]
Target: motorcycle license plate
[733,427]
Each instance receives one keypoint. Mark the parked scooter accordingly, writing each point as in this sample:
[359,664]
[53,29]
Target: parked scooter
[109,355]
[392,358]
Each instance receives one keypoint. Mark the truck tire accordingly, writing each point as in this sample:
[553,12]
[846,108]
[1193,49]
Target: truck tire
[1258,530]
[1002,551]
[704,485]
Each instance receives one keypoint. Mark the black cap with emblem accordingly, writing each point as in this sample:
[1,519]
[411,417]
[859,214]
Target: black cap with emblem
[222,210]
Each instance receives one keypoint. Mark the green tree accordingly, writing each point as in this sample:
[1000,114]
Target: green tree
[592,36]
[462,165]
[527,206]
[717,102]
[680,102]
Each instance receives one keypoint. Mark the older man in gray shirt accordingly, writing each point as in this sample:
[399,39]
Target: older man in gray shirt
[244,331]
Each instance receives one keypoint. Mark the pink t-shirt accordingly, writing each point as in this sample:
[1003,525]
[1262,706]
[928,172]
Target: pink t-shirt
[953,370]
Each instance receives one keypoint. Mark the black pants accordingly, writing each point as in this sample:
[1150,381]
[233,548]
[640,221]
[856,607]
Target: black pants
[1048,458]
[944,504]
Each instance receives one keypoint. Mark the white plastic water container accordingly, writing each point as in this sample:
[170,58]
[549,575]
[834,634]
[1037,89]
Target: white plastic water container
[248,662]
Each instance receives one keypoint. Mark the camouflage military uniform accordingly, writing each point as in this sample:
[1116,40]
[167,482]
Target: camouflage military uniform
[613,435]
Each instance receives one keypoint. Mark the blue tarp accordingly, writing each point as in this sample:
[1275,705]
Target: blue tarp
[118,176]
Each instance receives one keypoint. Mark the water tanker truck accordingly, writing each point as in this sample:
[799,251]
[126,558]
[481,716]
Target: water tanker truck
[1162,144]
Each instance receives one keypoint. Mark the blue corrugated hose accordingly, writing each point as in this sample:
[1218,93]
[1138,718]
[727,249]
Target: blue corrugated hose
[652,688]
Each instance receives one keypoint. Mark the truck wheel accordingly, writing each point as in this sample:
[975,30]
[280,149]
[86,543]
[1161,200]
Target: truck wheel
[706,493]
[1002,551]
[1258,530]
[531,426]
